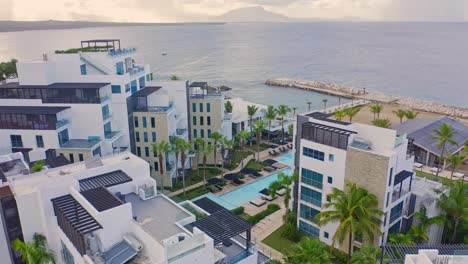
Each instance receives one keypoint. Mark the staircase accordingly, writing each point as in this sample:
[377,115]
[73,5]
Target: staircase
[96,65]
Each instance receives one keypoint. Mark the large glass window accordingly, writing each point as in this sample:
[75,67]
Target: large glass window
[16,141]
[127,87]
[145,136]
[201,107]
[309,229]
[137,136]
[135,121]
[63,137]
[396,212]
[312,178]
[309,213]
[97,151]
[208,107]
[147,151]
[311,196]
[194,107]
[67,255]
[144,122]
[54,95]
[153,136]
[209,133]
[201,121]
[120,68]
[133,85]
[153,122]
[325,136]
[142,82]
[83,69]
[28,121]
[195,133]
[194,120]
[208,120]
[105,112]
[202,133]
[312,153]
[39,141]
[116,89]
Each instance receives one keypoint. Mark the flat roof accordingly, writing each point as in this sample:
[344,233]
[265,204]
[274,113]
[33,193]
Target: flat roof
[198,84]
[101,199]
[33,110]
[330,128]
[100,40]
[146,91]
[325,117]
[80,144]
[55,86]
[104,180]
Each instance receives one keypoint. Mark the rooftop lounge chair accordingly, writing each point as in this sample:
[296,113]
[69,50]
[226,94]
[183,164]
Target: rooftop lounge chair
[258,202]
[275,153]
[281,192]
[238,182]
[282,149]
[290,146]
[268,197]
[271,154]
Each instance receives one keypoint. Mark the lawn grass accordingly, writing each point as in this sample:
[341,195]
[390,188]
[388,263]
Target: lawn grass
[258,166]
[192,177]
[237,157]
[263,146]
[277,241]
[432,177]
[193,193]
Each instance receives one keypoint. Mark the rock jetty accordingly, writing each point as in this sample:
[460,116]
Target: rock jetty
[369,95]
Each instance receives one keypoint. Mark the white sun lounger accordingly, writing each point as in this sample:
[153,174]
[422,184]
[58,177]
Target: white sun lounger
[258,202]
[267,197]
[281,192]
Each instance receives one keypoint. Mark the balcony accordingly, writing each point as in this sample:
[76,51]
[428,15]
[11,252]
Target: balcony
[61,123]
[111,135]
[181,132]
[136,70]
[121,52]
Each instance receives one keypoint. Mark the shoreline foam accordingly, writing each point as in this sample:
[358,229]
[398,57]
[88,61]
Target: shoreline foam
[363,93]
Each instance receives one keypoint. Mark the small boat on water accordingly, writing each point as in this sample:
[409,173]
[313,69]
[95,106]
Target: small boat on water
[164,54]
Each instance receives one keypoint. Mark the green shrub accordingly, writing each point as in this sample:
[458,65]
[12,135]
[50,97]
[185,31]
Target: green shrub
[239,210]
[38,166]
[198,215]
[337,255]
[290,232]
[271,208]
[273,261]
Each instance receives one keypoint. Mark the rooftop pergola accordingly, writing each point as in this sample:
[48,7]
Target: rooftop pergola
[396,253]
[99,43]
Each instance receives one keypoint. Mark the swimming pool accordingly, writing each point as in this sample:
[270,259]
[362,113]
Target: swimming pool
[251,191]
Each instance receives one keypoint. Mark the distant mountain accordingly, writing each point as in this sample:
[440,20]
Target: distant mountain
[251,14]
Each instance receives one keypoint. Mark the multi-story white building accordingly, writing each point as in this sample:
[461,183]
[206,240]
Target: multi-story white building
[240,116]
[108,211]
[330,153]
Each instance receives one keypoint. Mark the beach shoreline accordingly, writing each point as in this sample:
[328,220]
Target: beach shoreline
[370,95]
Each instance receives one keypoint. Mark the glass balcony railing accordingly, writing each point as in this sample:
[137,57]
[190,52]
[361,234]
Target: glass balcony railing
[120,52]
[106,116]
[105,98]
[161,109]
[111,134]
[136,70]
[62,123]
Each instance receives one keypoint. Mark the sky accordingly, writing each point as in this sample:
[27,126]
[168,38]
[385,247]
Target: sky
[202,10]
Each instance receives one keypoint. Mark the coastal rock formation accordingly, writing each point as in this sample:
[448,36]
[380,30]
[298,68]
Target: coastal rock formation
[363,93]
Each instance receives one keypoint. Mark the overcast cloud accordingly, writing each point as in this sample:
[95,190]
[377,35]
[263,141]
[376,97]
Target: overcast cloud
[199,10]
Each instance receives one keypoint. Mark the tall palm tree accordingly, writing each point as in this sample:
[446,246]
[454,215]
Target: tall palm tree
[411,115]
[324,101]
[339,115]
[443,136]
[400,113]
[291,130]
[160,148]
[270,115]
[35,252]
[294,111]
[376,109]
[352,111]
[198,145]
[385,123]
[418,234]
[207,149]
[356,212]
[309,103]
[286,181]
[184,147]
[455,162]
[259,127]
[243,136]
[251,111]
[309,251]
[225,144]
[228,106]
[401,239]
[282,111]
[216,137]
[175,148]
[453,205]
[366,255]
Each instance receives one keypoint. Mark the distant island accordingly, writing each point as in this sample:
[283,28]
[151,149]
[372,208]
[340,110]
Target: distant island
[251,14]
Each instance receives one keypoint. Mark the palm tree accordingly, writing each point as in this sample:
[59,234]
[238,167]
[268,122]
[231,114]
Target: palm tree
[184,147]
[206,150]
[259,127]
[36,252]
[401,239]
[418,234]
[160,149]
[216,137]
[309,103]
[198,145]
[385,123]
[455,162]
[225,144]
[339,115]
[411,115]
[251,111]
[286,181]
[273,188]
[351,112]
[376,109]
[243,136]
[294,111]
[228,106]
[400,113]
[324,101]
[309,251]
[175,148]
[356,211]
[291,130]
[366,255]
[453,205]
[443,136]
[282,111]
[270,115]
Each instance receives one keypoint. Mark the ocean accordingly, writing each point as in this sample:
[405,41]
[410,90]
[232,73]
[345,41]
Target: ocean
[422,60]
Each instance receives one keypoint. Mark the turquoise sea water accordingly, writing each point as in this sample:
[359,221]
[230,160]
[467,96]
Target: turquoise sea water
[250,191]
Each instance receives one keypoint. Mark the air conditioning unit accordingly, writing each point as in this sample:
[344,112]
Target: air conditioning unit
[133,242]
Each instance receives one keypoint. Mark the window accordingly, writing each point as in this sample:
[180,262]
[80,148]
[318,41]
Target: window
[208,120]
[127,87]
[201,121]
[71,158]
[153,136]
[116,89]
[328,198]
[142,82]
[202,133]
[201,107]
[144,121]
[156,167]
[394,228]
[194,107]
[16,141]
[135,121]
[137,136]
[194,119]
[358,237]
[329,179]
[312,178]
[63,137]
[326,235]
[83,69]
[147,151]
[105,112]
[147,77]
[390,177]
[331,157]
[120,68]
[396,212]
[209,133]
[309,213]
[80,157]
[388,199]
[153,122]
[208,107]
[312,153]
[134,86]
[309,229]
[97,151]
[145,136]
[310,196]
[66,255]
[195,133]
[138,150]
[39,141]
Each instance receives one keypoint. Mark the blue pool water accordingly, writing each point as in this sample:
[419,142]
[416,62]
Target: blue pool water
[250,191]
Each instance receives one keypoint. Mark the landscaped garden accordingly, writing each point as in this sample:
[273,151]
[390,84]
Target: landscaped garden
[192,177]
[237,156]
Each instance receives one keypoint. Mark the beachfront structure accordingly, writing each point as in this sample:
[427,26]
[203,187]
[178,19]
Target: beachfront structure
[330,153]
[71,103]
[240,116]
[107,210]
[425,253]
[420,131]
[434,256]
[158,113]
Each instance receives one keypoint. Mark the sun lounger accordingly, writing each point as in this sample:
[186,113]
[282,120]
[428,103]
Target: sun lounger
[258,202]
[269,169]
[271,154]
[238,182]
[290,146]
[267,197]
[281,192]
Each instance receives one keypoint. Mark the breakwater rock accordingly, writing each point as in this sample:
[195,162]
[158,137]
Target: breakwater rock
[370,95]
